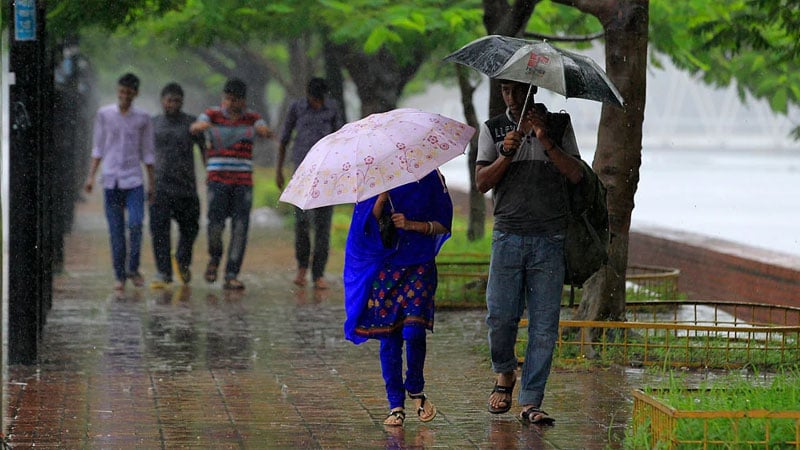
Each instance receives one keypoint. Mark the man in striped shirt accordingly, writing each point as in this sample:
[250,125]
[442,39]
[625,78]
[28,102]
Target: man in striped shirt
[230,130]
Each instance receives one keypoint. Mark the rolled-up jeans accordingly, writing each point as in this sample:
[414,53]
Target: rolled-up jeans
[525,271]
[234,201]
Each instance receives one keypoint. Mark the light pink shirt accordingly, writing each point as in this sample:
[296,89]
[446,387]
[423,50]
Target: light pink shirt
[123,142]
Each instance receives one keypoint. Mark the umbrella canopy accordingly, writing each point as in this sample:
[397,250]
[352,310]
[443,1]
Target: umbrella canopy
[539,63]
[375,154]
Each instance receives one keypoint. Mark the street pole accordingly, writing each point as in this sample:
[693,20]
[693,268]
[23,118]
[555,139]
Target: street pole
[27,71]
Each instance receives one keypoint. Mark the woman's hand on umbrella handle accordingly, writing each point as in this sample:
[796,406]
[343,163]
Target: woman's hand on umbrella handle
[400,221]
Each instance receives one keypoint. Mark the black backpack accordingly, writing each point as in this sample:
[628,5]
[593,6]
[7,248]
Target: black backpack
[588,236]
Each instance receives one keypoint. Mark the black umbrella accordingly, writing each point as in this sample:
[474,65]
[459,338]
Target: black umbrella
[540,64]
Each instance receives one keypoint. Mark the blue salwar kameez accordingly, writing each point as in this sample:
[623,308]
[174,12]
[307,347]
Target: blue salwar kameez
[389,291]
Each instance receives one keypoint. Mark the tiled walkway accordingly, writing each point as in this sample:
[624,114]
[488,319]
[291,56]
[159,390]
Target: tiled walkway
[267,368]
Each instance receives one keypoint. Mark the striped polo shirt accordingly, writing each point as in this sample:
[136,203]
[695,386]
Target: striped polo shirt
[230,153]
[530,200]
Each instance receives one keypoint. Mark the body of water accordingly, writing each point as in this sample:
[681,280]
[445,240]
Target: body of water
[751,198]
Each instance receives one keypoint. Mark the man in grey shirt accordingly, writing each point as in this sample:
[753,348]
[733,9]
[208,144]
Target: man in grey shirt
[313,118]
[175,188]
[526,158]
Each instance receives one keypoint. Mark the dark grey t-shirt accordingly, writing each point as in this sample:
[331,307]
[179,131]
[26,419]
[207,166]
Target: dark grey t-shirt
[310,125]
[174,168]
[530,199]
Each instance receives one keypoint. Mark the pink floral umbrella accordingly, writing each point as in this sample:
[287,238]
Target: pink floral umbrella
[375,154]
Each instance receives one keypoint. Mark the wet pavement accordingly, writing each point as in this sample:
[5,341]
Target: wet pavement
[196,366]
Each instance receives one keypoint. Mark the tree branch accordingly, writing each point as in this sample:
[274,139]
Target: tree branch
[214,61]
[507,20]
[593,7]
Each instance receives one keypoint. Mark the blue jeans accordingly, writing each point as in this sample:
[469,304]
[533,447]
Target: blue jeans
[320,218]
[525,271]
[234,201]
[116,202]
[391,353]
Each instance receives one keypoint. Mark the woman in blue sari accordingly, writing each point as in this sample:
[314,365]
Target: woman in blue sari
[390,281]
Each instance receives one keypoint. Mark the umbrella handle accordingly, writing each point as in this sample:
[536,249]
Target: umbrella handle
[524,106]
[391,205]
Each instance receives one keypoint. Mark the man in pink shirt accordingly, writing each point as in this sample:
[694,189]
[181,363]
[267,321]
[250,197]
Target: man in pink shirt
[123,139]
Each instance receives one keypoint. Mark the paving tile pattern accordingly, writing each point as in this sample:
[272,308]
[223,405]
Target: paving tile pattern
[198,367]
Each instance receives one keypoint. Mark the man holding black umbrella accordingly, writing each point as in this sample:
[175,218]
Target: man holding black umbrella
[525,156]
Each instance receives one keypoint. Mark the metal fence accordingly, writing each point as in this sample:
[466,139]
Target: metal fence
[462,280]
[684,334]
[651,282]
[463,277]
[670,428]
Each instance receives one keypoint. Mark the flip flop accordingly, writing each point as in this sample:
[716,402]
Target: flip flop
[395,418]
[421,409]
[535,416]
[505,405]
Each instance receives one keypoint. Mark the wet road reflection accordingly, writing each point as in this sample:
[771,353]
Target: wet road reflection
[198,366]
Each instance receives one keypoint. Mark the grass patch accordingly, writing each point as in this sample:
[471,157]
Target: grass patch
[726,412]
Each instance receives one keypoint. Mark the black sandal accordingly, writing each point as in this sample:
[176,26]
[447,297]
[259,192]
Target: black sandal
[421,409]
[211,273]
[398,414]
[505,405]
[536,416]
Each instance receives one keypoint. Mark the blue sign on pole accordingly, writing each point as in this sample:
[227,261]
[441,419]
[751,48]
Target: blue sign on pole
[25,20]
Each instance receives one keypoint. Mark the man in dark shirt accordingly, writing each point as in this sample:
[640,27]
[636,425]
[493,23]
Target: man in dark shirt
[175,188]
[526,157]
[314,117]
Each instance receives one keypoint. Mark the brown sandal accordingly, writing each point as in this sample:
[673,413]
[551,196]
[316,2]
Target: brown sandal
[429,411]
[396,418]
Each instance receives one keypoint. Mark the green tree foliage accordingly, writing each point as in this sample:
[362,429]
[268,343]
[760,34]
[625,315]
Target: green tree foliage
[66,17]
[751,43]
[402,26]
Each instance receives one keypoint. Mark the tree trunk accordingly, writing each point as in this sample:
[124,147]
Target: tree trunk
[379,77]
[505,19]
[333,73]
[619,150]
[477,202]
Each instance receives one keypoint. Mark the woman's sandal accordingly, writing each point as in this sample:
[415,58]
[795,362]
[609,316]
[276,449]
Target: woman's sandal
[536,416]
[395,418]
[504,405]
[426,414]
